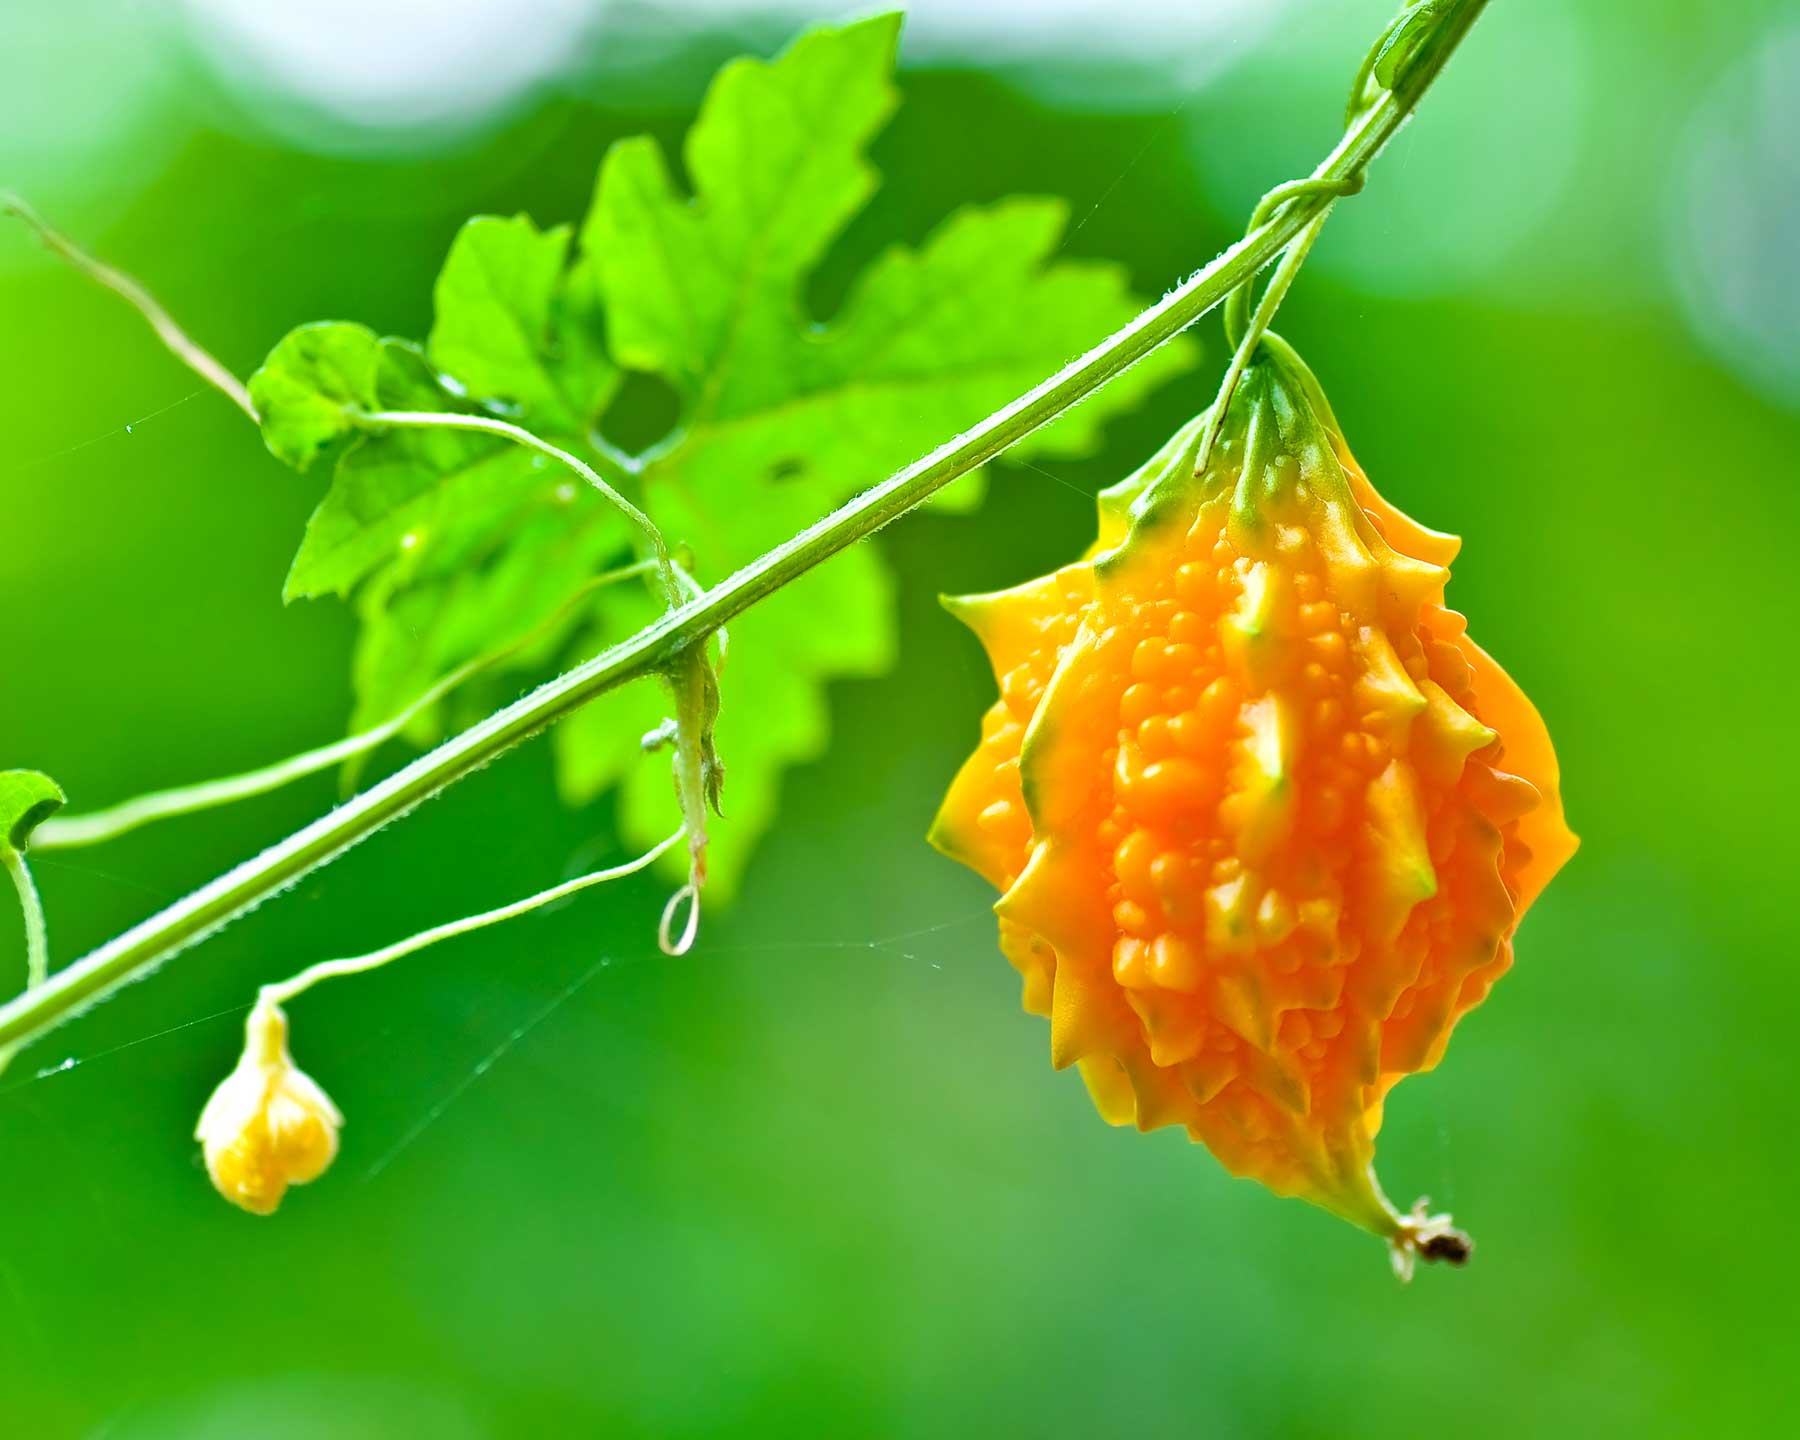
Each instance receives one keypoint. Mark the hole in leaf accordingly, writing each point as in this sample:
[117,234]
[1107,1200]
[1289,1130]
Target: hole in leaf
[644,411]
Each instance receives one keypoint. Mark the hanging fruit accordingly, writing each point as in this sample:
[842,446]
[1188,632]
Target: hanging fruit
[1264,817]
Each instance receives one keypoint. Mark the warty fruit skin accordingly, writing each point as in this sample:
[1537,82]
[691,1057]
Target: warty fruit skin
[1264,818]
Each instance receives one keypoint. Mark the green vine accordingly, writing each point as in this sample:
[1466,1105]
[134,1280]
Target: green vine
[1401,67]
[96,827]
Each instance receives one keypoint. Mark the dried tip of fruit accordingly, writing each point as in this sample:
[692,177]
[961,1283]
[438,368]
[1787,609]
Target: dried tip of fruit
[268,1125]
[1427,1237]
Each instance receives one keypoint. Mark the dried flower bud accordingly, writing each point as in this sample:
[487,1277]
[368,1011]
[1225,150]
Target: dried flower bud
[268,1125]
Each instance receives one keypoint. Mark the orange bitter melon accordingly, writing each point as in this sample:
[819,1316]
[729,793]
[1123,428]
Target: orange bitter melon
[1264,816]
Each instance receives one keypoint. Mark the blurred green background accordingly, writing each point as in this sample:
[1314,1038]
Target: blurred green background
[818,1177]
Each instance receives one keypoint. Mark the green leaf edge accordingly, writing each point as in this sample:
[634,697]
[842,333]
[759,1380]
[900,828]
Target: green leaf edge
[27,799]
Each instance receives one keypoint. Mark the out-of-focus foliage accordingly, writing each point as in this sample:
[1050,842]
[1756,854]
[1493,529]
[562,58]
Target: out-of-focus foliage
[813,1177]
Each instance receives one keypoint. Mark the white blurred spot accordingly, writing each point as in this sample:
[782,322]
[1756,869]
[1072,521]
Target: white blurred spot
[1734,222]
[350,72]
[1090,54]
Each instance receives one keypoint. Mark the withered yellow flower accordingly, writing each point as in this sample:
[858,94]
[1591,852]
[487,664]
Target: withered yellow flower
[268,1125]
[1264,816]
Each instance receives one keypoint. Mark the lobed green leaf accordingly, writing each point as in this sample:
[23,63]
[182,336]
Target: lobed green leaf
[510,330]
[454,544]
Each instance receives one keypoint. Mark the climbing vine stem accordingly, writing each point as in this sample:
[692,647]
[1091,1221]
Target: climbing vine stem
[285,990]
[1432,29]
[67,832]
[37,936]
[172,335]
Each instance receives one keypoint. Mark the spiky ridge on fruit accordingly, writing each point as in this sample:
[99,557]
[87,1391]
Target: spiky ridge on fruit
[1264,817]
